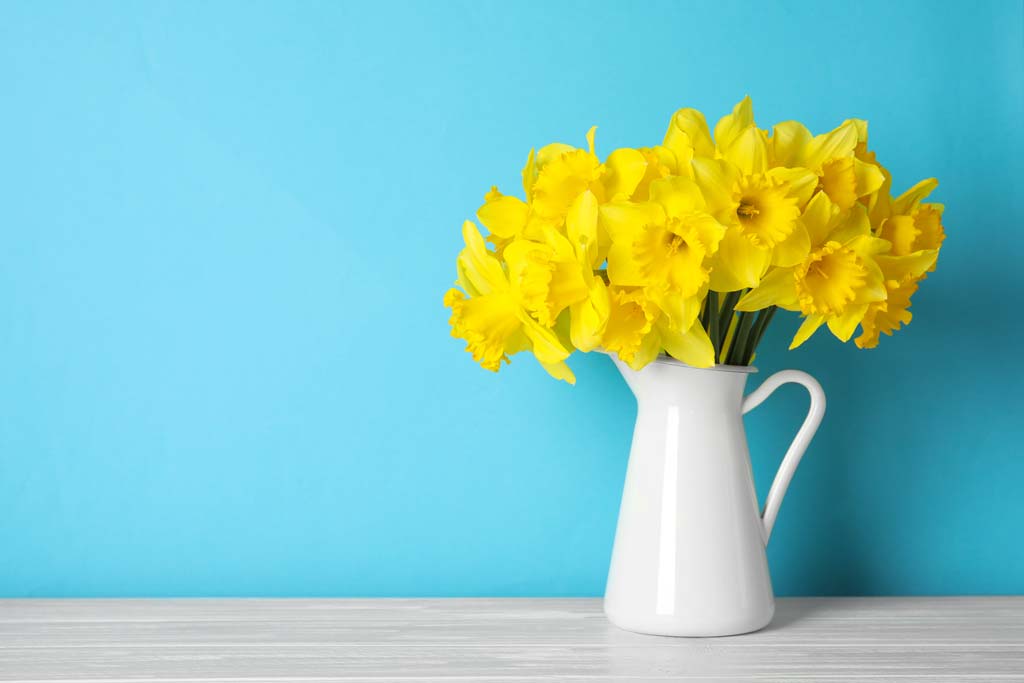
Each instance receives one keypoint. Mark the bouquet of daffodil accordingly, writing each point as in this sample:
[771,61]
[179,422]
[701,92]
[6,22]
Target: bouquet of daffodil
[689,248]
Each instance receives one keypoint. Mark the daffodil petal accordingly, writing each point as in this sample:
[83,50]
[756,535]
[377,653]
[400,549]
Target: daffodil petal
[681,310]
[503,215]
[868,246]
[861,126]
[479,266]
[623,220]
[625,168]
[649,349]
[717,180]
[559,371]
[869,177]
[845,325]
[910,266]
[730,126]
[856,224]
[545,342]
[581,222]
[692,347]
[631,317]
[749,151]
[901,232]
[590,139]
[677,195]
[530,174]
[489,324]
[723,280]
[589,317]
[818,217]
[909,200]
[708,229]
[788,141]
[688,133]
[809,327]
[802,182]
[793,249]
[462,278]
[549,153]
[776,289]
[623,268]
[837,143]
[743,263]
[874,284]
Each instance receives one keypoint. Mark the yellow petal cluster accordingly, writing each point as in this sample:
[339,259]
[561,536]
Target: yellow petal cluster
[687,248]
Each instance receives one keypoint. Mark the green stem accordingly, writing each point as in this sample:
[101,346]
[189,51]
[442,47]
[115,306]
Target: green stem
[728,309]
[739,343]
[711,305]
[757,333]
[705,314]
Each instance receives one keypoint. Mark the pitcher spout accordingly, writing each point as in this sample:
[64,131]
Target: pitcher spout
[668,380]
[634,379]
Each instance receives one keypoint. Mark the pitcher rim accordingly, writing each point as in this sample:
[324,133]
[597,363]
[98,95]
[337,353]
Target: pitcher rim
[665,359]
[742,369]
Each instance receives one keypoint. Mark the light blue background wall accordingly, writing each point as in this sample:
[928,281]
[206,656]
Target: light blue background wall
[225,231]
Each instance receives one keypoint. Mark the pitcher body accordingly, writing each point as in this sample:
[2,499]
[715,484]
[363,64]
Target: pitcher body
[689,556]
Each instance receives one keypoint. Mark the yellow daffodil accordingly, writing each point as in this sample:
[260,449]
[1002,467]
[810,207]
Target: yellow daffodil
[491,319]
[552,179]
[687,248]
[843,175]
[766,210]
[861,152]
[665,247]
[688,136]
[556,176]
[637,331]
[660,163]
[912,225]
[902,275]
[546,275]
[556,273]
[562,174]
[836,282]
[630,322]
[760,205]
[885,317]
[588,315]
[504,216]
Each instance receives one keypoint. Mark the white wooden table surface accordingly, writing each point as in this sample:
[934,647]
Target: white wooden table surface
[509,640]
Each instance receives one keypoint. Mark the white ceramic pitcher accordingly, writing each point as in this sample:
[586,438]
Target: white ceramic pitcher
[689,556]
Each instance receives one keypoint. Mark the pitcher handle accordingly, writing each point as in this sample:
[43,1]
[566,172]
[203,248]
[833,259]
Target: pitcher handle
[796,449]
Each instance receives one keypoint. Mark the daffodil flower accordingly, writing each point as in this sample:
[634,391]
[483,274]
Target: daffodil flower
[837,281]
[760,205]
[902,275]
[912,225]
[843,175]
[660,162]
[665,247]
[630,254]
[556,273]
[687,136]
[555,177]
[637,331]
[562,174]
[504,216]
[491,319]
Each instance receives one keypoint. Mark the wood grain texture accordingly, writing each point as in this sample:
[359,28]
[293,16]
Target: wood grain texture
[508,640]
